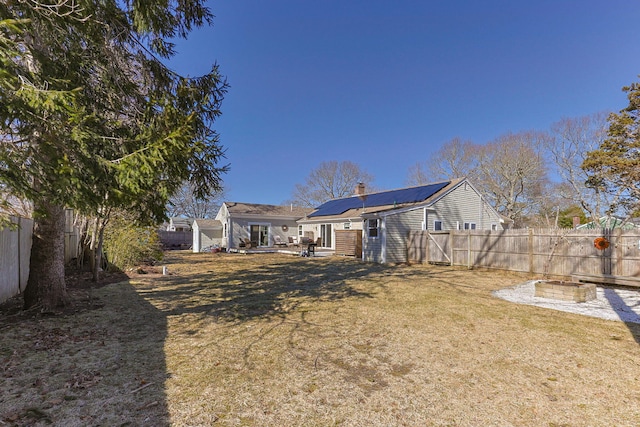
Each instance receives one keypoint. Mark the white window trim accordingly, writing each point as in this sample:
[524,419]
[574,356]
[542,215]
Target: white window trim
[261,224]
[377,227]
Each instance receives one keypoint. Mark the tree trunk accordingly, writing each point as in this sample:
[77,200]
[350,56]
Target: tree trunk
[46,285]
[98,256]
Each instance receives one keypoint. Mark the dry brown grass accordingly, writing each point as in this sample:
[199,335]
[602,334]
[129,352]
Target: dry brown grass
[273,340]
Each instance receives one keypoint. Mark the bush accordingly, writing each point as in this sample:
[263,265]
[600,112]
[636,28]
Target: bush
[127,245]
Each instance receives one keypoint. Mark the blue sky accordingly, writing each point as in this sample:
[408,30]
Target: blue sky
[385,83]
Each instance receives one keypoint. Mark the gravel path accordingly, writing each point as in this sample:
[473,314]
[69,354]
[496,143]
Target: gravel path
[611,303]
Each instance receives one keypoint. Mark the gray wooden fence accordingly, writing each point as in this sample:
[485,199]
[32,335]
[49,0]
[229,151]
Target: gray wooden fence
[15,251]
[554,252]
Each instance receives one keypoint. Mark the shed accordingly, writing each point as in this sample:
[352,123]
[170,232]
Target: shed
[207,233]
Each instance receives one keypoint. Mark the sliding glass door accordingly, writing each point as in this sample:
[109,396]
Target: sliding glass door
[260,235]
[325,235]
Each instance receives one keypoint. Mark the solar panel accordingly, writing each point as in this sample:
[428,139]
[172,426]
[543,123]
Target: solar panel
[405,195]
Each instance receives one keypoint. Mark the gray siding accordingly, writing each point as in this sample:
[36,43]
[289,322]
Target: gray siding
[397,230]
[462,205]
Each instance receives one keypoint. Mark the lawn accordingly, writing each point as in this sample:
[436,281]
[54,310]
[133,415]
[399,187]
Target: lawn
[276,340]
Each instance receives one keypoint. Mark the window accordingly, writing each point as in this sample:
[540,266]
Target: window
[437,225]
[300,230]
[225,230]
[347,226]
[494,227]
[372,225]
[469,225]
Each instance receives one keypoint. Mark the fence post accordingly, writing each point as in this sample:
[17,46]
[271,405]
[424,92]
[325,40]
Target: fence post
[469,249]
[617,258]
[530,245]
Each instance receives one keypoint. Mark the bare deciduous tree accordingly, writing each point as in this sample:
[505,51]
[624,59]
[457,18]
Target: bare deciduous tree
[185,203]
[509,171]
[455,159]
[567,147]
[328,181]
[513,175]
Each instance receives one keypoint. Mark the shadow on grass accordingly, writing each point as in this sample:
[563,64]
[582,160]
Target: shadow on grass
[102,363]
[269,289]
[624,312]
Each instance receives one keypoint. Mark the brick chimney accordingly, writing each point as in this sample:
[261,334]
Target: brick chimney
[576,221]
[360,189]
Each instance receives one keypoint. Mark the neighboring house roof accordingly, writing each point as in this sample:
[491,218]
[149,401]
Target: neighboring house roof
[180,222]
[376,203]
[208,224]
[609,222]
[255,209]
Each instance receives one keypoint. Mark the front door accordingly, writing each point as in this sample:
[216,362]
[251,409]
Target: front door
[325,235]
[260,235]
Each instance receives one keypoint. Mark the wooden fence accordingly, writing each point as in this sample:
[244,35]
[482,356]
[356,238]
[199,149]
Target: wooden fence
[176,239]
[552,252]
[349,243]
[15,251]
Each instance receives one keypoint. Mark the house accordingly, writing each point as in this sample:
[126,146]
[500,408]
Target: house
[207,233]
[611,222]
[385,218]
[261,225]
[177,233]
[179,224]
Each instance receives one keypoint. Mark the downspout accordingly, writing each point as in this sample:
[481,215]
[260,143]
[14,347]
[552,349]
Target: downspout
[363,239]
[383,239]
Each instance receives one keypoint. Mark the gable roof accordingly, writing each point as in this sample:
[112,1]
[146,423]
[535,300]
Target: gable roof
[385,200]
[180,222]
[207,223]
[255,209]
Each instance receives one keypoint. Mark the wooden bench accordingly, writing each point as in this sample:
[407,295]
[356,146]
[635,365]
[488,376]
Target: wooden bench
[607,279]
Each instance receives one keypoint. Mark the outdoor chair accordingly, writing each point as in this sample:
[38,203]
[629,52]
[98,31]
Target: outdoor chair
[245,243]
[292,243]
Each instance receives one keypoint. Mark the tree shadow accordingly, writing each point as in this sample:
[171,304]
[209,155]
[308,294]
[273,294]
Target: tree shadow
[269,291]
[101,362]
[625,312]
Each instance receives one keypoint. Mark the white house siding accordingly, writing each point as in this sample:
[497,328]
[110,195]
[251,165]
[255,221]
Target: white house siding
[223,217]
[209,237]
[277,230]
[372,246]
[240,228]
[313,228]
[397,230]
